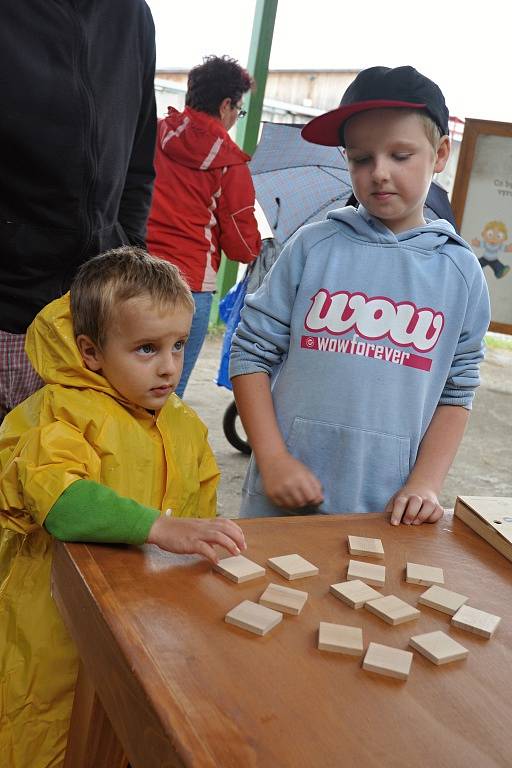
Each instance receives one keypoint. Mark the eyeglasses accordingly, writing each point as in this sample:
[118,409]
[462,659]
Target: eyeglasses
[241,111]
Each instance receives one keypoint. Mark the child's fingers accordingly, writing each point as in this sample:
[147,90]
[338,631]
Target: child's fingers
[231,529]
[310,491]
[219,538]
[398,505]
[317,492]
[414,504]
[288,494]
[426,510]
[299,496]
[204,549]
[436,515]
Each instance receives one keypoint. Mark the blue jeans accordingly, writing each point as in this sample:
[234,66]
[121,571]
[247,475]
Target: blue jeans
[198,331]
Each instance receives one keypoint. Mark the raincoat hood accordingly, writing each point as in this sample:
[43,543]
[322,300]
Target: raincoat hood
[54,354]
[79,426]
[198,140]
[432,236]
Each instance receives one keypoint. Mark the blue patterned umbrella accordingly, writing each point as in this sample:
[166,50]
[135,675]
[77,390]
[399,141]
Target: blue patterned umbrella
[298,183]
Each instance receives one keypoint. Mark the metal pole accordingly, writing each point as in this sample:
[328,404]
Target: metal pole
[248,128]
[259,54]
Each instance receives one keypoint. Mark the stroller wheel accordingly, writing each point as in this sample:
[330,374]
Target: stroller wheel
[230,423]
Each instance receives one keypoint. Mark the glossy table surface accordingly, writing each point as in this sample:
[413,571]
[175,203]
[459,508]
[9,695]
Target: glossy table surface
[183,688]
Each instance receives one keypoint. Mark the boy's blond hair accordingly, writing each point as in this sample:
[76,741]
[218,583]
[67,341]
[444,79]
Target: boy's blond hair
[116,276]
[431,129]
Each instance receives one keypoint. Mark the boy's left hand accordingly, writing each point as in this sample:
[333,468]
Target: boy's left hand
[414,505]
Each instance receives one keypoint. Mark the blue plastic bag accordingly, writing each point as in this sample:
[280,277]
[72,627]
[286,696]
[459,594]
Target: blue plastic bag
[230,308]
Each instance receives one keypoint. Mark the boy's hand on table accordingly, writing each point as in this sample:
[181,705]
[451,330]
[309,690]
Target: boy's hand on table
[414,505]
[196,536]
[289,483]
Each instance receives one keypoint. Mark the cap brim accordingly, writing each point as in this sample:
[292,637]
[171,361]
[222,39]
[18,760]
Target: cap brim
[325,129]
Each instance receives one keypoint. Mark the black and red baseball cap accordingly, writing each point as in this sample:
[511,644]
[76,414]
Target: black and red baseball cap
[379,88]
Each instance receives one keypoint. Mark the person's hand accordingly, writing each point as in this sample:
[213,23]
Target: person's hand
[289,483]
[196,536]
[414,505]
[475,242]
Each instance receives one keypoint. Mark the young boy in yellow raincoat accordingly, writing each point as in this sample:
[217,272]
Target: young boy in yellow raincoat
[105,452]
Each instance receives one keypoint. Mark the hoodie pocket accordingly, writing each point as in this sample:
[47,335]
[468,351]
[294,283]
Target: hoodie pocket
[359,469]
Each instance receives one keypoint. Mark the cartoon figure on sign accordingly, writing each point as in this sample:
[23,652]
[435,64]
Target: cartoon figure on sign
[494,236]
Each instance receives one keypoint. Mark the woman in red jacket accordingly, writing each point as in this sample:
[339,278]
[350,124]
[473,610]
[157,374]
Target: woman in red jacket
[203,200]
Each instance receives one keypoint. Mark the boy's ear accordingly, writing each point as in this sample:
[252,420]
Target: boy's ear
[91,355]
[442,154]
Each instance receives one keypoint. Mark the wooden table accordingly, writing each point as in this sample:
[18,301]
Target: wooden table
[180,687]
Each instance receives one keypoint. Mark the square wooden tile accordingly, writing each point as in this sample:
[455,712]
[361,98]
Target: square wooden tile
[392,610]
[284,599]
[355,593]
[391,662]
[442,599]
[365,547]
[479,622]
[367,572]
[253,617]
[292,566]
[438,647]
[423,574]
[340,639]
[239,568]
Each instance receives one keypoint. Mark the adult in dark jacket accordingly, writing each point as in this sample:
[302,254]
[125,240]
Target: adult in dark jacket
[76,153]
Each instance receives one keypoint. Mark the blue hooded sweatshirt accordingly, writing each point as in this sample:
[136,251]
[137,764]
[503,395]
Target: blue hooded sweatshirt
[364,334]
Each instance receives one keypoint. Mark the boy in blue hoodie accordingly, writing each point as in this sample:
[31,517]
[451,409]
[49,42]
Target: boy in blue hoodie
[355,364]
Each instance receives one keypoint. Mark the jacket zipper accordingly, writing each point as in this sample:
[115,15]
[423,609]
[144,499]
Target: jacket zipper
[89,135]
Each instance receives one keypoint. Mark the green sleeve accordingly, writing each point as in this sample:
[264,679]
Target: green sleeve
[89,511]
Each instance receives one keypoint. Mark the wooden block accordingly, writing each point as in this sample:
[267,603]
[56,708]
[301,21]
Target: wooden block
[364,547]
[423,574]
[367,572]
[442,599]
[388,661]
[239,569]
[340,638]
[253,617]
[284,599]
[355,593]
[392,610]
[490,517]
[292,566]
[479,622]
[438,647]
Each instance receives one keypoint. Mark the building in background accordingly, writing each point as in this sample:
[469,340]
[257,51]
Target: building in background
[296,96]
[291,96]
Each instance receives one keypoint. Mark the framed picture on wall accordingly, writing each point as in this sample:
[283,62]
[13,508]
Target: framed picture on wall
[482,205]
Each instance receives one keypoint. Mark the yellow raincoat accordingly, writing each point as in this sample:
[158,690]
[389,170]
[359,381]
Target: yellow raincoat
[76,427]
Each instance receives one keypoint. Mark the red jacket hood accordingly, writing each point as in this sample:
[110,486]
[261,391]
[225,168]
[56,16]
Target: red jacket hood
[198,140]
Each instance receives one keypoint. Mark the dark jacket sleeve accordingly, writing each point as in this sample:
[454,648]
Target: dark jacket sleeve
[138,188]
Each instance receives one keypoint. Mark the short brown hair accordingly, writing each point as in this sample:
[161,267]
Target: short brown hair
[216,79]
[116,276]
